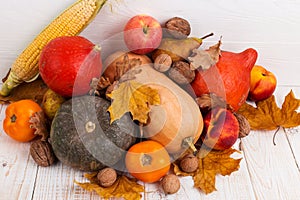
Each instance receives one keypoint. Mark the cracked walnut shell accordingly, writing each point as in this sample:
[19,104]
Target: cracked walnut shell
[178,27]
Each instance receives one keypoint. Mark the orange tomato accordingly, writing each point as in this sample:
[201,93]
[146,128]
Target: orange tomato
[147,161]
[16,123]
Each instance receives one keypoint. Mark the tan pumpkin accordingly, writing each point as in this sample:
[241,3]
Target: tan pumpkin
[177,120]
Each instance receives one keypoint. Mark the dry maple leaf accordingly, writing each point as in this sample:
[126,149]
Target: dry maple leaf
[268,116]
[204,59]
[124,187]
[125,65]
[134,97]
[211,163]
[40,123]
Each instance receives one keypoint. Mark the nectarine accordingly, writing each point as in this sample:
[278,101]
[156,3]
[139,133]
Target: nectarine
[262,83]
[221,129]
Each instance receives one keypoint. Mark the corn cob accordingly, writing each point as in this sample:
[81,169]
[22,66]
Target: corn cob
[69,23]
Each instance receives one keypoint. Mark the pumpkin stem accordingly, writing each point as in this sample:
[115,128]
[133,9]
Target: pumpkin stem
[90,126]
[188,143]
[206,36]
[13,118]
[146,159]
[141,131]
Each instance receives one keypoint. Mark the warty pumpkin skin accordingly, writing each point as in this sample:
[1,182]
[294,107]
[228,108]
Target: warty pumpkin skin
[82,136]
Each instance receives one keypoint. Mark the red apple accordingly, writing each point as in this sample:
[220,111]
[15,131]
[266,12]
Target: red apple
[142,34]
[221,129]
[262,83]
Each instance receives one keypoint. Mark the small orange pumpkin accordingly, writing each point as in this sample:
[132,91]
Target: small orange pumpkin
[147,161]
[16,123]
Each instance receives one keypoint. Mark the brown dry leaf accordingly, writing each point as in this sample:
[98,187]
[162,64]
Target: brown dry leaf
[125,65]
[40,123]
[208,101]
[204,59]
[34,90]
[211,163]
[133,97]
[124,187]
[268,116]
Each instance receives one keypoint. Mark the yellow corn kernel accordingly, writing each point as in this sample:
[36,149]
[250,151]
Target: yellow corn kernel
[69,23]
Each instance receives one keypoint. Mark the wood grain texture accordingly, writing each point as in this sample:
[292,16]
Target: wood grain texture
[18,172]
[271,27]
[268,26]
[273,169]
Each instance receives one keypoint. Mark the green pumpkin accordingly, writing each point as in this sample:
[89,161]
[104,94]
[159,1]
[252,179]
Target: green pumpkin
[82,136]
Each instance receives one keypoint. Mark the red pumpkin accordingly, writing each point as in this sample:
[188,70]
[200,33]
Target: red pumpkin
[67,65]
[229,78]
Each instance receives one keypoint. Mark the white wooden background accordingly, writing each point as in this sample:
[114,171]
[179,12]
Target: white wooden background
[269,26]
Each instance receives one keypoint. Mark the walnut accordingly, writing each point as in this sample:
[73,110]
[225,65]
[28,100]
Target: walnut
[42,153]
[189,163]
[178,27]
[107,177]
[170,184]
[243,125]
[163,62]
[181,73]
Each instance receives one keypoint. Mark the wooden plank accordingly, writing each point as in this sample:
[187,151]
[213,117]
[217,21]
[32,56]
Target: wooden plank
[57,182]
[272,169]
[18,171]
[293,135]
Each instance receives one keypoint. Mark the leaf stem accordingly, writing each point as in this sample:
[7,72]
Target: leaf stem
[275,136]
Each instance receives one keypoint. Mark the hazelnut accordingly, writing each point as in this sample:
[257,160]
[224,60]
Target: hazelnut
[178,27]
[107,177]
[163,62]
[181,73]
[170,184]
[189,163]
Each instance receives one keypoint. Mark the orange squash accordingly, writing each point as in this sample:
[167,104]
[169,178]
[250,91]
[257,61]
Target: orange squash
[229,78]
[177,121]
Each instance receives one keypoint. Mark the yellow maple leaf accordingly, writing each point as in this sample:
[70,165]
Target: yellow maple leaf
[124,187]
[133,97]
[268,116]
[211,163]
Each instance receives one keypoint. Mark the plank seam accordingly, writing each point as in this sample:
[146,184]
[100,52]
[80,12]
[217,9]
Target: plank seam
[35,178]
[292,150]
[248,170]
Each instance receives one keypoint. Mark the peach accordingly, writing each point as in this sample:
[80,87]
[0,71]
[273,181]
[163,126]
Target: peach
[221,129]
[262,83]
